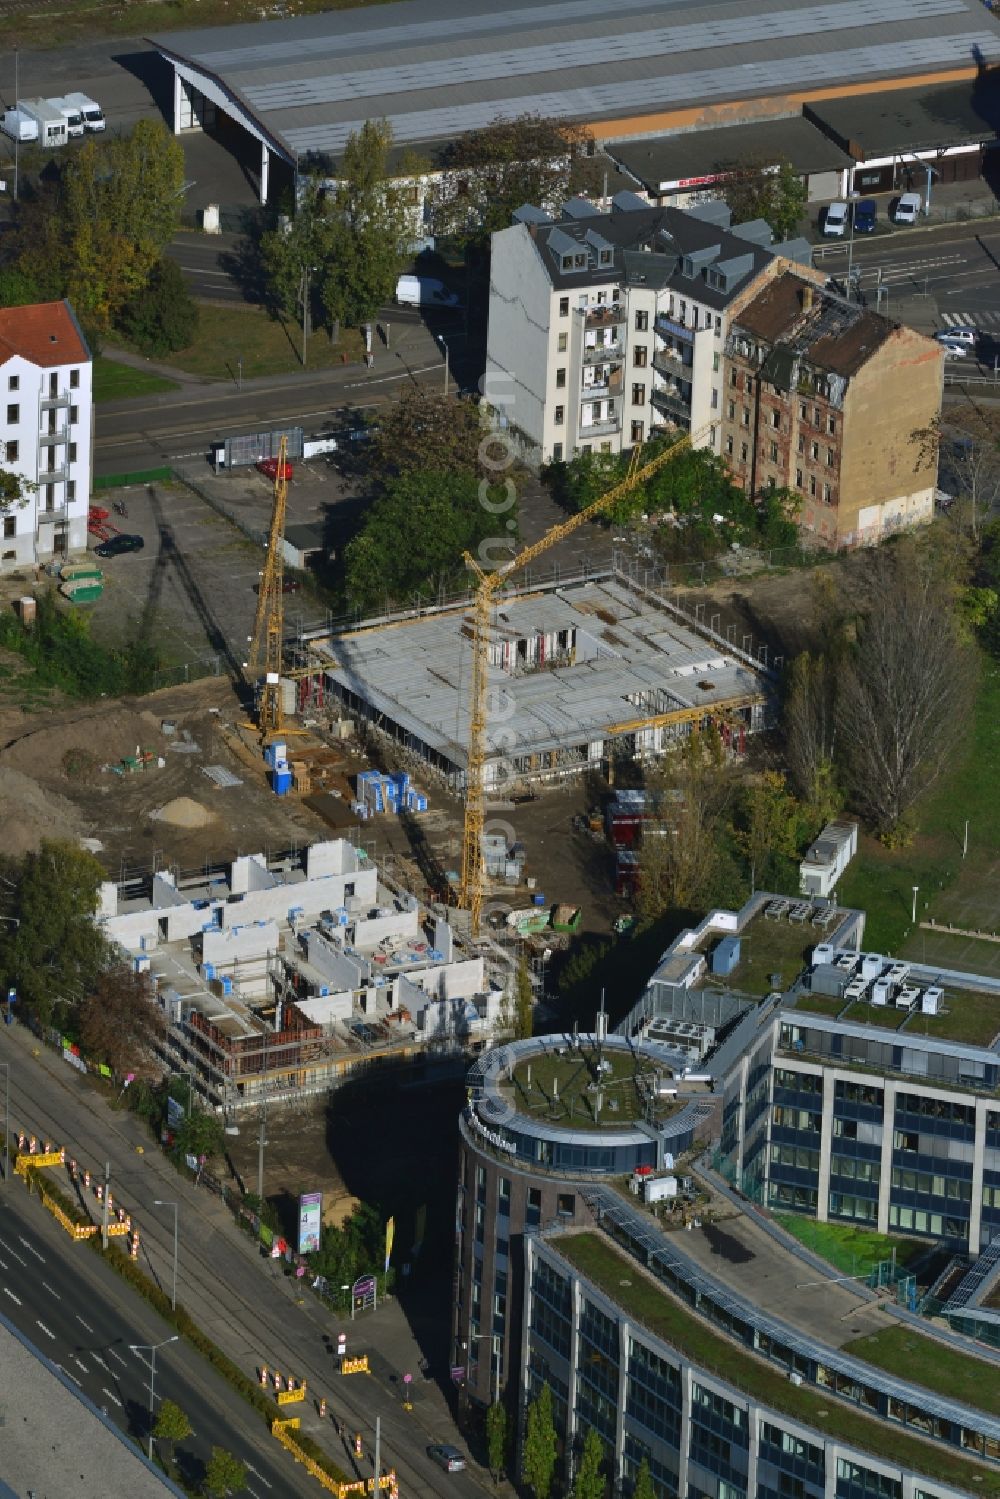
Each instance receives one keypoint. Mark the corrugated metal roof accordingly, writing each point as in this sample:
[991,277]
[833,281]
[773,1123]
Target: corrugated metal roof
[438,67]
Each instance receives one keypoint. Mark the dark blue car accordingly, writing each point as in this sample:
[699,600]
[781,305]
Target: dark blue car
[865,216]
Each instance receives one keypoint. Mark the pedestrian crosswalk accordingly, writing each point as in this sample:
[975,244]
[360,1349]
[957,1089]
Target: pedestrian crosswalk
[971,319]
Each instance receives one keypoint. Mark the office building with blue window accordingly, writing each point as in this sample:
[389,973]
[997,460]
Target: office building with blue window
[616,1234]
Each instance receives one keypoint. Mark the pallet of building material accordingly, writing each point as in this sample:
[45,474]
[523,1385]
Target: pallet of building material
[221,776]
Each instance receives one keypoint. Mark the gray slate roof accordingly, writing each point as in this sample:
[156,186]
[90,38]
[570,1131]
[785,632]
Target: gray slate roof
[435,68]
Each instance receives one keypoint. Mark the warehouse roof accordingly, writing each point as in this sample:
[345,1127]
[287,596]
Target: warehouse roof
[902,120]
[417,673]
[668,162]
[436,68]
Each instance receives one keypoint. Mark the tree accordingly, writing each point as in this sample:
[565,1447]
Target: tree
[523,1002]
[19,288]
[199,1133]
[690,789]
[15,490]
[225,1474]
[757,187]
[300,243]
[119,207]
[57,951]
[120,1021]
[489,173]
[644,1482]
[809,725]
[965,451]
[538,1456]
[172,1425]
[496,1439]
[369,229]
[412,541]
[165,317]
[769,824]
[424,430]
[904,690]
[590,1482]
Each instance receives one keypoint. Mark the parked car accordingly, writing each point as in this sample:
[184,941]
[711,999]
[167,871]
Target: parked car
[448,1458]
[116,546]
[835,220]
[865,216]
[906,209]
[269,468]
[967,336]
[954,350]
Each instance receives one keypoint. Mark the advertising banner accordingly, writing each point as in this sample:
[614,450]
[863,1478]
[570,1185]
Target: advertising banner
[310,1221]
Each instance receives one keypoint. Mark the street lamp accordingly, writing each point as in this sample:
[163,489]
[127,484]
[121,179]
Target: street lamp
[494,1341]
[151,1349]
[6,1122]
[916,889]
[173,1293]
[444,346]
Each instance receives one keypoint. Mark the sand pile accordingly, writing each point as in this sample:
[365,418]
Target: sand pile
[28,814]
[184,812]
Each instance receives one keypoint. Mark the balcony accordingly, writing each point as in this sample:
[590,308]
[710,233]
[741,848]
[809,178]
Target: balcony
[605,428]
[670,362]
[53,475]
[670,329]
[598,353]
[51,403]
[604,317]
[672,403]
[600,391]
[52,515]
[49,439]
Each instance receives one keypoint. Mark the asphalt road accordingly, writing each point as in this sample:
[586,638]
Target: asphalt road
[82,1317]
[953,267]
[240,1300]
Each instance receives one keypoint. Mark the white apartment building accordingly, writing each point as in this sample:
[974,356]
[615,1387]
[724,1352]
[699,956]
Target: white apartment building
[604,327]
[46,427]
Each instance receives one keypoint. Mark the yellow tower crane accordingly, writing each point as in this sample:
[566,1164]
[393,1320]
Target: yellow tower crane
[264,665]
[489,586]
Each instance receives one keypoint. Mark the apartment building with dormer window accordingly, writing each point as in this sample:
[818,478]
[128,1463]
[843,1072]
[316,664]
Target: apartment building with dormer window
[605,328]
[46,425]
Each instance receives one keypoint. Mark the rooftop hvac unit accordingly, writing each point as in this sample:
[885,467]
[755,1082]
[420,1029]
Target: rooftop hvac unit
[822,953]
[899,972]
[880,991]
[847,962]
[855,989]
[871,966]
[930,1001]
[794,1378]
[907,997]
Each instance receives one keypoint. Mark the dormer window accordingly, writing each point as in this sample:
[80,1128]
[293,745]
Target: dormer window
[605,257]
[580,261]
[567,262]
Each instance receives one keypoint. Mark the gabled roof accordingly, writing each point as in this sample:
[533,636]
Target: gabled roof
[814,326]
[45,333]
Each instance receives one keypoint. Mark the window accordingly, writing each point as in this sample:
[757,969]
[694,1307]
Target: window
[566,1205]
[798,478]
[53,385]
[774,452]
[563,342]
[638,395]
[732,378]
[49,496]
[814,452]
[564,306]
[829,458]
[683,312]
[819,417]
[743,451]
[13,414]
[560,415]
[561,379]
[749,384]
[74,414]
[639,356]
[826,493]
[642,322]
[802,443]
[715,362]
[776,419]
[802,412]
[72,452]
[13,382]
[9,526]
[638,432]
[12,450]
[831,425]
[534,1210]
[746,416]
[812,484]
[557,452]
[715,399]
[74,379]
[731,411]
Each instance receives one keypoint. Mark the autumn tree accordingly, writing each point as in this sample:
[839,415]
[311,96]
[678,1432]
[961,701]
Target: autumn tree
[538,1454]
[489,173]
[57,951]
[523,1003]
[590,1482]
[904,690]
[369,229]
[120,1022]
[423,430]
[496,1439]
[810,726]
[964,451]
[768,824]
[224,1474]
[690,790]
[757,187]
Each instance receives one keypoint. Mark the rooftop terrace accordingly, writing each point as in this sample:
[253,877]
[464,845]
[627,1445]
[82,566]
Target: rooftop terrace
[589,1088]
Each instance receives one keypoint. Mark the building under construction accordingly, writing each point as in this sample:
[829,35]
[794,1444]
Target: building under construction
[579,674]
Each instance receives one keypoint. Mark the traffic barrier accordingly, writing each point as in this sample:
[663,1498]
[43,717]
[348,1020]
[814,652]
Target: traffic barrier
[355,1365]
[290,1397]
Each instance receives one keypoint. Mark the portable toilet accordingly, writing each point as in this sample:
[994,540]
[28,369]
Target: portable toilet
[726,956]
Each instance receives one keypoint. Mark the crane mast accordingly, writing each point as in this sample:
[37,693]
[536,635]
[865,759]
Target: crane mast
[264,665]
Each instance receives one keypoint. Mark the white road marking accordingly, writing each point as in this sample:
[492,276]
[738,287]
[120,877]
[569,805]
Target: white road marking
[8,1292]
[4,1265]
[80,1364]
[45,1330]
[117,1357]
[50,1290]
[31,1249]
[110,1395]
[82,1323]
[14,1253]
[99,1360]
[253,1470]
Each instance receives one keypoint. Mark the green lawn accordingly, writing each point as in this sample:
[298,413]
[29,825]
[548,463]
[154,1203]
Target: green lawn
[266,346]
[769,947]
[960,1376]
[117,382]
[848,1248]
[966,892]
[621,1280]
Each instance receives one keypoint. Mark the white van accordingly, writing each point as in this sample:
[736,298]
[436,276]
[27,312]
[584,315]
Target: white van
[906,209]
[72,116]
[90,110]
[423,291]
[835,220]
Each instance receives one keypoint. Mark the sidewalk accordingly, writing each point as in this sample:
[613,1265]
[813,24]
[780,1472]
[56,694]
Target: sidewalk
[242,1301]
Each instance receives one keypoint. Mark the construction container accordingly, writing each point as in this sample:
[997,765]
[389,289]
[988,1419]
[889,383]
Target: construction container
[27,609]
[726,956]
